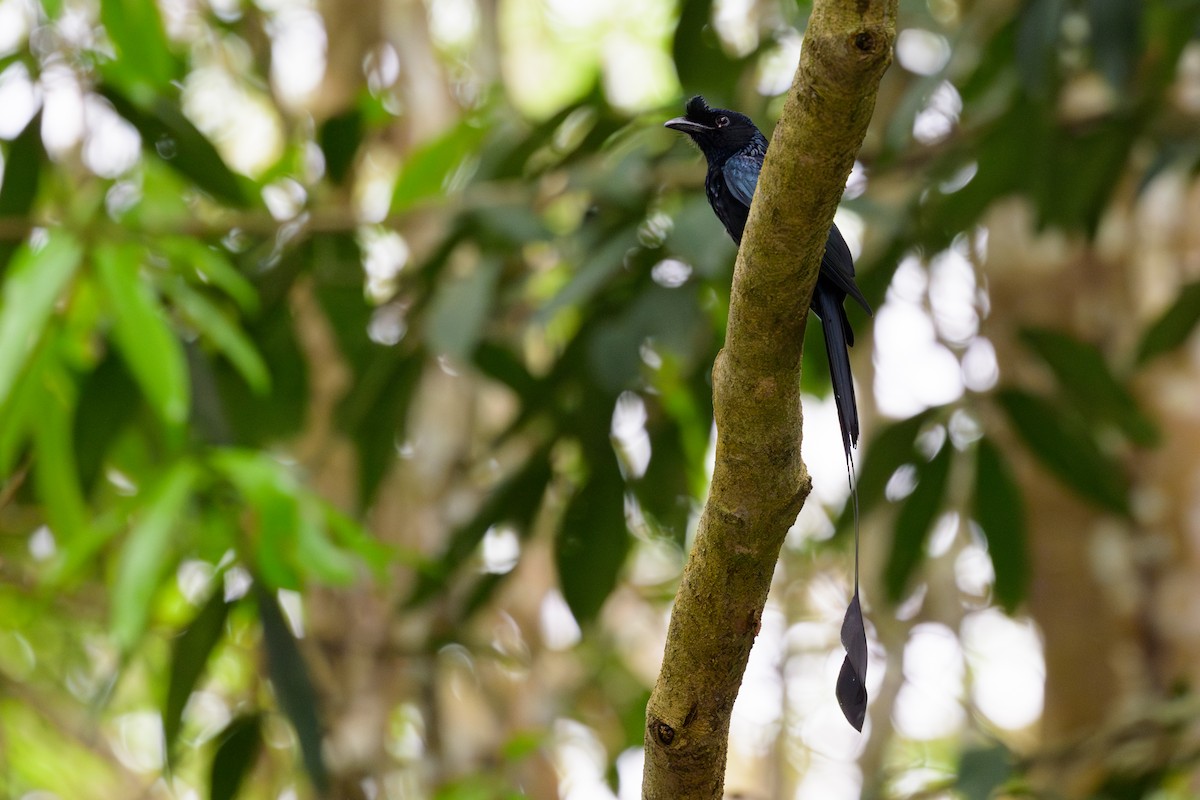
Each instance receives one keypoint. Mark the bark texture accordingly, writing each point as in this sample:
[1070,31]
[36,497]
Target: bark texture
[759,481]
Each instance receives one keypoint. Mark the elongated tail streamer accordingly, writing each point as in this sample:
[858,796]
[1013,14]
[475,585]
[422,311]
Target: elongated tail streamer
[852,680]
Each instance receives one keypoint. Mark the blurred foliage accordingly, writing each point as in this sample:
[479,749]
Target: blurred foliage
[158,366]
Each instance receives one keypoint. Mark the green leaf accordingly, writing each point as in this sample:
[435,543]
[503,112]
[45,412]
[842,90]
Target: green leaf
[136,30]
[172,137]
[351,535]
[916,517]
[189,151]
[108,400]
[982,770]
[501,364]
[524,743]
[270,492]
[592,542]
[339,138]
[605,261]
[686,400]
[1085,378]
[430,169]
[255,420]
[508,227]
[1083,170]
[55,471]
[473,787]
[375,414]
[336,262]
[141,332]
[237,749]
[144,554]
[697,241]
[209,420]
[1000,512]
[1002,158]
[1037,45]
[670,318]
[189,657]
[213,267]
[699,58]
[316,553]
[1173,327]
[22,169]
[663,492]
[44,755]
[293,687]
[1115,29]
[223,333]
[34,283]
[21,410]
[1167,28]
[1064,446]
[481,592]
[460,309]
[77,557]
[291,535]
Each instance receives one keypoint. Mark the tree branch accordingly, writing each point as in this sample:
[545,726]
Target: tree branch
[760,482]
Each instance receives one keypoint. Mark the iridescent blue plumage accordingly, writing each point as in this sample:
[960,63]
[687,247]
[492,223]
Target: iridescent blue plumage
[735,149]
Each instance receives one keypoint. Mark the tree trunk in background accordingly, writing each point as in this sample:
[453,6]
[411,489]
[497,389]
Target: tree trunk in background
[353,30]
[1169,388]
[1117,602]
[1044,281]
[358,679]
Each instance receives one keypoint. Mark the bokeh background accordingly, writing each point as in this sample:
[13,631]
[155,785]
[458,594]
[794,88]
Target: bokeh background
[354,400]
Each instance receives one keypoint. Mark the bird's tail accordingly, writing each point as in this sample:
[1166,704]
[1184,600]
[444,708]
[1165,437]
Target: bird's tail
[837,342]
[851,688]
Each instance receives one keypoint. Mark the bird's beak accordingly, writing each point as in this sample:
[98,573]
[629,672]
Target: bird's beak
[685,125]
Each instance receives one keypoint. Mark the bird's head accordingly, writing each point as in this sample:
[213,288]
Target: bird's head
[716,131]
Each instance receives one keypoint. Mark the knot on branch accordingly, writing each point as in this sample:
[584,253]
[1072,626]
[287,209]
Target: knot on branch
[865,41]
[663,733]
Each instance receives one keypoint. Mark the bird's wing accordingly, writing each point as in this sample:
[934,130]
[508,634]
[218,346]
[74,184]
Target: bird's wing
[837,265]
[741,176]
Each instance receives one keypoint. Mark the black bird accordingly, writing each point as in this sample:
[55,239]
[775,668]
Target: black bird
[735,149]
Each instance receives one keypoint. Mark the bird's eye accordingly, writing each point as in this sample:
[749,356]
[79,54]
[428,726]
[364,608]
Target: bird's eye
[722,121]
